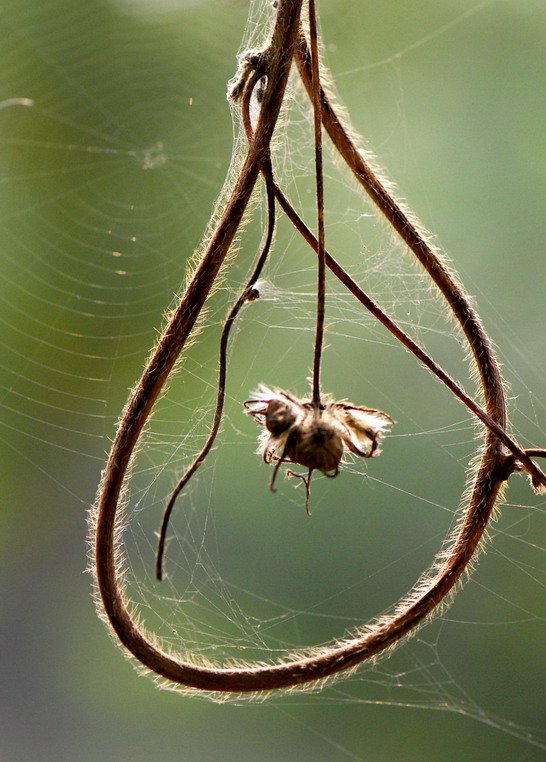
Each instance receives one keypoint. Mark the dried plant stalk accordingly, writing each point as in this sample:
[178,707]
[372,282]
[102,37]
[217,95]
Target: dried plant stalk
[495,465]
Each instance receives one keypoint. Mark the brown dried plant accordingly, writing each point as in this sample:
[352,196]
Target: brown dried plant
[290,420]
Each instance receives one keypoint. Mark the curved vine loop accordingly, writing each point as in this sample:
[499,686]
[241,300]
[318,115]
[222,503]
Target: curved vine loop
[494,467]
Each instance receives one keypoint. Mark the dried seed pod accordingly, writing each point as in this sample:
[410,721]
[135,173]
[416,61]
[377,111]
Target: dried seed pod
[295,431]
[315,444]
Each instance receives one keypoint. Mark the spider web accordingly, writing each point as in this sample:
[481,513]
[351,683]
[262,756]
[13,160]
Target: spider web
[116,141]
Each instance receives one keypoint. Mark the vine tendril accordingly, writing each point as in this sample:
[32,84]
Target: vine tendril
[287,42]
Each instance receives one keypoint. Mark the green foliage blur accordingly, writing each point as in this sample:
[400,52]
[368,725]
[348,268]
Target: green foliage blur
[107,184]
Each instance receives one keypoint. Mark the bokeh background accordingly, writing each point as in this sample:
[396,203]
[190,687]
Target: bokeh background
[107,183]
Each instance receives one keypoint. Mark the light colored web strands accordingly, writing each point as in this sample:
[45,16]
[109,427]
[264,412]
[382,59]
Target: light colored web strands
[491,471]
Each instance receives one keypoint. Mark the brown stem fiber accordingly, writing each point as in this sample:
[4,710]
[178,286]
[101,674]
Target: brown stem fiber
[285,42]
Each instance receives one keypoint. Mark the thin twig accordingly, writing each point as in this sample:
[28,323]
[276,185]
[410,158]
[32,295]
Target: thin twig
[319,181]
[244,296]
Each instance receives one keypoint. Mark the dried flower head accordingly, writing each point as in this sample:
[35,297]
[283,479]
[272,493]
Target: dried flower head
[295,431]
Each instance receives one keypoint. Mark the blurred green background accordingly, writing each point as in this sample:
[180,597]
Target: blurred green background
[107,183]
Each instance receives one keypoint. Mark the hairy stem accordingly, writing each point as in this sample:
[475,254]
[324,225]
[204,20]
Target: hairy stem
[319,182]
[433,587]
[280,54]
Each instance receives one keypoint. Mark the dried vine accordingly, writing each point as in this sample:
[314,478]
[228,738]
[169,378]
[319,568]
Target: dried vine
[288,42]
